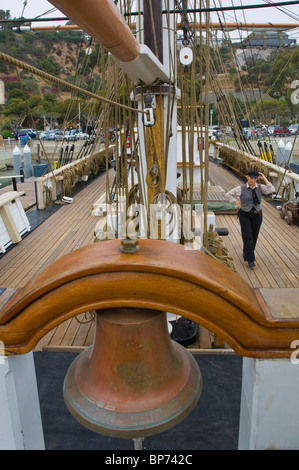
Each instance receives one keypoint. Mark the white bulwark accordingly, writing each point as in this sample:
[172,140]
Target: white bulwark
[21,425]
[269,414]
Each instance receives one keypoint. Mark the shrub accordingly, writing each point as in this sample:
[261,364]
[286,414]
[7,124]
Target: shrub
[6,133]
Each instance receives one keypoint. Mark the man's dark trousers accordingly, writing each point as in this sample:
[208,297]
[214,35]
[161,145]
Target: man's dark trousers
[250,226]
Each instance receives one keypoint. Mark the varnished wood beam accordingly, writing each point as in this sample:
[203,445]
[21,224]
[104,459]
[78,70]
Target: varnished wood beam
[161,276]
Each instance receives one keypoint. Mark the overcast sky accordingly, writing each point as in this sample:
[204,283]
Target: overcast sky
[285,14]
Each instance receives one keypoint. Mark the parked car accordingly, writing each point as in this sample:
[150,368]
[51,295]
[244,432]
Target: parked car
[69,137]
[98,135]
[46,135]
[42,134]
[281,130]
[271,130]
[59,135]
[24,132]
[249,132]
[53,135]
[80,135]
[215,130]
[293,128]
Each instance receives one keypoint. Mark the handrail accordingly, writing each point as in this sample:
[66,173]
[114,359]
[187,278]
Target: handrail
[56,175]
[161,276]
[272,166]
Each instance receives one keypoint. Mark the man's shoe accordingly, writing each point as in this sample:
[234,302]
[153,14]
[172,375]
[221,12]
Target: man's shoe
[251,264]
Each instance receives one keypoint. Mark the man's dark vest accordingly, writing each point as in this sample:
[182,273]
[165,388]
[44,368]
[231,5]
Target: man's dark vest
[247,200]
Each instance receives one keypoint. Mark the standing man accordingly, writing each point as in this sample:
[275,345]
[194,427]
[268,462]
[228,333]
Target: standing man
[248,198]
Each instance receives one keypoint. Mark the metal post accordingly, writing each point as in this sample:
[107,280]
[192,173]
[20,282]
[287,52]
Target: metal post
[14,183]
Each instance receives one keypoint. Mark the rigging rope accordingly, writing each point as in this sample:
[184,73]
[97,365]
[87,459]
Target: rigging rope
[17,63]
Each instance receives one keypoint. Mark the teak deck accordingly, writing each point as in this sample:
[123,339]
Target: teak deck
[72,226]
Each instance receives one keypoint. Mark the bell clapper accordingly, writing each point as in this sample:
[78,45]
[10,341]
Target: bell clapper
[138,443]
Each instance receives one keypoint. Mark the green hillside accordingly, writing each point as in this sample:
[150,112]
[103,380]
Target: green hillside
[33,102]
[28,97]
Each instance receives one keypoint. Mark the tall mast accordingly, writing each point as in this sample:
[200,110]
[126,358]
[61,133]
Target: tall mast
[159,155]
[153,29]
[151,65]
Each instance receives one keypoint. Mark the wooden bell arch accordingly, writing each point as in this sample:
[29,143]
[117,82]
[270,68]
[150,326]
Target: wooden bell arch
[160,275]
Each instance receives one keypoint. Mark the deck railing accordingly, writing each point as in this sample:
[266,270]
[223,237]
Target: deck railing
[60,181]
[280,177]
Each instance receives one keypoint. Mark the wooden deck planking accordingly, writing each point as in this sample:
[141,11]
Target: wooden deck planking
[68,228]
[82,334]
[73,226]
[261,275]
[277,252]
[28,199]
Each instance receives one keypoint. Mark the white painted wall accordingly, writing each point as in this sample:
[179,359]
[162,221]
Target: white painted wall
[269,415]
[20,418]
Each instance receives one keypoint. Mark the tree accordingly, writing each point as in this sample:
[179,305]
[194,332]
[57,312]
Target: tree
[284,71]
[5,15]
[269,109]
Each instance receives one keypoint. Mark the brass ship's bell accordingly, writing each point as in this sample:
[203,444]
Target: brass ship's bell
[134,381]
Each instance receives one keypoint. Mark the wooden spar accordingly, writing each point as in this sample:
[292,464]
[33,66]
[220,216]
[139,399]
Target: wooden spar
[104,23]
[245,26]
[224,26]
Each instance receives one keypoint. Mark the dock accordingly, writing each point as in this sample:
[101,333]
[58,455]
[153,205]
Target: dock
[28,200]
